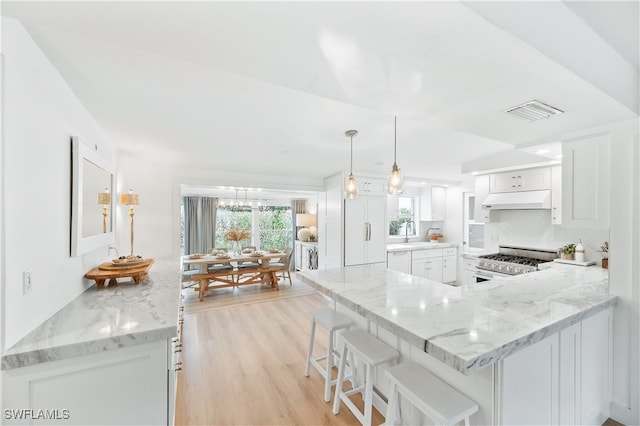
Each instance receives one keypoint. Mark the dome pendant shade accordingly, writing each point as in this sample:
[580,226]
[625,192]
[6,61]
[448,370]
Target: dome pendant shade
[395,182]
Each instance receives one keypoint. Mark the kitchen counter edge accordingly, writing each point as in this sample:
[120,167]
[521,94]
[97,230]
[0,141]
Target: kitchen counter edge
[109,318]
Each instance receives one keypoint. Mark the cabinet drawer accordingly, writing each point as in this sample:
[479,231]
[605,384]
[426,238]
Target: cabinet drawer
[468,264]
[451,251]
[425,254]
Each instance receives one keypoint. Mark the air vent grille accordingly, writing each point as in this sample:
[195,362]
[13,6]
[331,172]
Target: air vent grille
[533,111]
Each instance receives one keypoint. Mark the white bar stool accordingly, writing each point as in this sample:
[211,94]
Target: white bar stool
[435,398]
[372,352]
[331,321]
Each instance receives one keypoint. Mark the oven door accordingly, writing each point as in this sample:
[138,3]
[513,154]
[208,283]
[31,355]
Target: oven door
[482,275]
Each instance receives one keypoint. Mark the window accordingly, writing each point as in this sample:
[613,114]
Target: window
[276,227]
[404,223]
[228,218]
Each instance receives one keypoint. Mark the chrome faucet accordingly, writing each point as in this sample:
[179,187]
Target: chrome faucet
[406,230]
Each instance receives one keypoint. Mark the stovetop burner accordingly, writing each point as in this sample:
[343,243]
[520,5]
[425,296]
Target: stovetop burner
[515,260]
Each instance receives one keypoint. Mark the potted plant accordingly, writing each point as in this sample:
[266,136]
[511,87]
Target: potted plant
[569,251]
[604,251]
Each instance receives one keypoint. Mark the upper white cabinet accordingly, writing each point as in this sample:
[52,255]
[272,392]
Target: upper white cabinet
[521,180]
[433,203]
[482,192]
[556,195]
[585,182]
[369,187]
[364,231]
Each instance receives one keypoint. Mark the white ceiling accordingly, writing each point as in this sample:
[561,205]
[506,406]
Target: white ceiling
[271,87]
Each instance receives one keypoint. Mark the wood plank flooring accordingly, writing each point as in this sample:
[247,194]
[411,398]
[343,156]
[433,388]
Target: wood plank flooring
[243,363]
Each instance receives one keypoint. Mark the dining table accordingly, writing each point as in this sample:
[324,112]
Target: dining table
[262,273]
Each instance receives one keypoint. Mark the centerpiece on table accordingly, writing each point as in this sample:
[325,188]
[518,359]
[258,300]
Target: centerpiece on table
[234,236]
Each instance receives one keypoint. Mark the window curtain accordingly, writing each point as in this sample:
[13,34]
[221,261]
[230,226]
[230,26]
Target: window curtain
[297,207]
[209,208]
[191,215]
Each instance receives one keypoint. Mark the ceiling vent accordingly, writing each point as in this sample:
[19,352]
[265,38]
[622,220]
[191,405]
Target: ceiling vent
[533,111]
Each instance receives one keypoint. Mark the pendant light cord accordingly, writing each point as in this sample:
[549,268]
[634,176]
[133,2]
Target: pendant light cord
[395,134]
[351,172]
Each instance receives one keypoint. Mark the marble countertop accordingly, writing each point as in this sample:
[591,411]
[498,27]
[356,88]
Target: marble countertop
[472,326]
[110,318]
[418,245]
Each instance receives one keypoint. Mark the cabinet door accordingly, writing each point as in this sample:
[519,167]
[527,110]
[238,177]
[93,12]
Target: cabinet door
[355,231]
[376,249]
[585,182]
[434,269]
[449,269]
[399,261]
[120,386]
[419,268]
[533,179]
[503,182]
[556,195]
[433,203]
[482,192]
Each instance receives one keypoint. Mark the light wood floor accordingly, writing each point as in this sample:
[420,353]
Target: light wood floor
[243,364]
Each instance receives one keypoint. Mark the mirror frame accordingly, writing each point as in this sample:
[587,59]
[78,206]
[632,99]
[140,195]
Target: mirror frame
[81,151]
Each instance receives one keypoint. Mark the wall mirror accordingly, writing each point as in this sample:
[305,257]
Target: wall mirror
[92,199]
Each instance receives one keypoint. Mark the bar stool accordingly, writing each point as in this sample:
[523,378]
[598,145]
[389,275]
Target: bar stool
[331,321]
[372,352]
[433,397]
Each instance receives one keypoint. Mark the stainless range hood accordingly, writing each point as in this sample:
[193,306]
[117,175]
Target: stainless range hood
[524,200]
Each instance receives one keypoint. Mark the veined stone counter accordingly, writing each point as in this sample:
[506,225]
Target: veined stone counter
[110,318]
[472,326]
[418,245]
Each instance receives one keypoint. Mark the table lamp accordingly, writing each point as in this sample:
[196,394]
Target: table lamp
[130,200]
[308,222]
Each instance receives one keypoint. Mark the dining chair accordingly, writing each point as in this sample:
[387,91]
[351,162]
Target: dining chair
[284,267]
[219,266]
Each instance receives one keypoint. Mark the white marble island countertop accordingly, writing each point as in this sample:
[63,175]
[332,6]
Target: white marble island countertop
[110,318]
[472,326]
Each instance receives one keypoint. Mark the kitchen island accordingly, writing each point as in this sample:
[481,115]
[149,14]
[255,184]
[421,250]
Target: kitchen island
[107,356]
[511,344]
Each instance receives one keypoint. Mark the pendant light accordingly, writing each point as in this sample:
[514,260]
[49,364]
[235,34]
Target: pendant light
[395,182]
[351,189]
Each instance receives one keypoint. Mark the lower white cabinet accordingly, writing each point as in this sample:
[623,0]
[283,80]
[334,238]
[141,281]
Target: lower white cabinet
[125,386]
[468,271]
[427,264]
[449,265]
[399,261]
[562,379]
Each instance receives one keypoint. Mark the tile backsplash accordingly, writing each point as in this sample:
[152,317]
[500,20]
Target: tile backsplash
[533,228]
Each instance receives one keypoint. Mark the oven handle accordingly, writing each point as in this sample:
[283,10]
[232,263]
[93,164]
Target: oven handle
[484,274]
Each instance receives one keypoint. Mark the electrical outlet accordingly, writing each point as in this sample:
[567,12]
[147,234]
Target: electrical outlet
[26,282]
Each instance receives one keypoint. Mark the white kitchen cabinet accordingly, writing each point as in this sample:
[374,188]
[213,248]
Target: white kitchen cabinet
[433,203]
[571,381]
[468,271]
[449,265]
[482,190]
[585,182]
[399,261]
[371,187]
[365,231]
[521,180]
[124,386]
[427,264]
[556,195]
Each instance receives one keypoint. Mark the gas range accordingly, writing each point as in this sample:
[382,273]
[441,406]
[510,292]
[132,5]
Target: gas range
[512,260]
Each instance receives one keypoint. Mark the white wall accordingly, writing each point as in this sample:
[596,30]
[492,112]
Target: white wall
[40,114]
[157,218]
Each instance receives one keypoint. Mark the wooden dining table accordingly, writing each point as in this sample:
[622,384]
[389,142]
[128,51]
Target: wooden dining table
[260,274]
